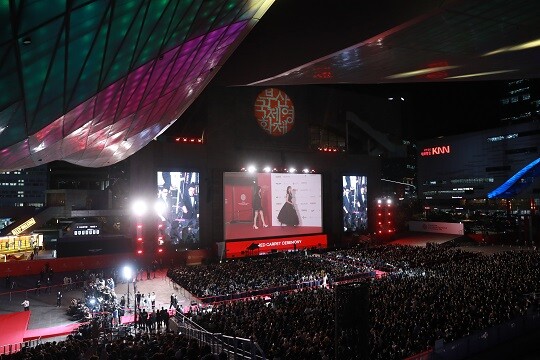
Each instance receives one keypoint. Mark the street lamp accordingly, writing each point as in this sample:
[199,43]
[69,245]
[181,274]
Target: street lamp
[128,275]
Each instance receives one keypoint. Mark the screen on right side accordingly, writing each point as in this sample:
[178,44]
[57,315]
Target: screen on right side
[355,203]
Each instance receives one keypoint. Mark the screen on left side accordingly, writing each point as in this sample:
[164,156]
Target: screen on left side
[178,207]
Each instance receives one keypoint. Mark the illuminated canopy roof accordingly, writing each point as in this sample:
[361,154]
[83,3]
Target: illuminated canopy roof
[93,81]
[423,41]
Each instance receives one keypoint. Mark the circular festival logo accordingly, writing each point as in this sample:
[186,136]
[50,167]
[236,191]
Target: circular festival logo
[274,111]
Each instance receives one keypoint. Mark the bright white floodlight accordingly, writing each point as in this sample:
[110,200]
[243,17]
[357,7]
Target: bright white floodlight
[128,272]
[139,207]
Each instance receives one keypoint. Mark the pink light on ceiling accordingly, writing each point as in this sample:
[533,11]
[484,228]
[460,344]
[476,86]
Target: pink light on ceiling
[128,114]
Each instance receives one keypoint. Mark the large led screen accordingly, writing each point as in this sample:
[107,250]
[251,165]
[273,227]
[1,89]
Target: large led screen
[355,203]
[271,205]
[178,207]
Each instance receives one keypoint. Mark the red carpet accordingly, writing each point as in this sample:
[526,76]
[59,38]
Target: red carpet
[127,319]
[50,331]
[13,328]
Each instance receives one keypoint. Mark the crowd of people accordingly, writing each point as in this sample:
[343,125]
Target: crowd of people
[399,257]
[298,325]
[434,293]
[244,275]
[428,294]
[157,346]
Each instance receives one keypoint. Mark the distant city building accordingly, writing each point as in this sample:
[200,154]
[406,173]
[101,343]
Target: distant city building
[399,174]
[23,188]
[520,101]
[469,166]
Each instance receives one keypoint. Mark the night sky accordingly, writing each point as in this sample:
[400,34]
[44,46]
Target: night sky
[442,109]
[294,32]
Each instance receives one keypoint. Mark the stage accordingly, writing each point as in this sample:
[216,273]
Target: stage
[243,230]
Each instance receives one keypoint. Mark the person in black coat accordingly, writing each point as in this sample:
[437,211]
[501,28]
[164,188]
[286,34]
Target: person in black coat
[190,205]
[257,208]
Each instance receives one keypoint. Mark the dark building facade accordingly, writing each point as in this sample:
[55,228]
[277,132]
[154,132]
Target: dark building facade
[267,128]
[470,166]
[520,101]
[20,188]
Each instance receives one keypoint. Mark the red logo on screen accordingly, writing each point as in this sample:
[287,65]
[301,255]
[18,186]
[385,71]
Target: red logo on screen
[274,112]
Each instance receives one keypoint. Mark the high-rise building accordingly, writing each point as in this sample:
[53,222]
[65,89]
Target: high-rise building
[20,188]
[520,101]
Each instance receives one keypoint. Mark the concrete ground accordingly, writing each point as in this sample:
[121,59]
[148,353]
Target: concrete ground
[45,313]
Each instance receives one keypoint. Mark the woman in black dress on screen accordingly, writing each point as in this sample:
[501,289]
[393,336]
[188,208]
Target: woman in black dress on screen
[257,208]
[287,215]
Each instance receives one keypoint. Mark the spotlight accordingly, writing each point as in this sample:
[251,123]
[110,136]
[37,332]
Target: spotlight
[292,170]
[127,272]
[305,171]
[251,169]
[267,169]
[139,207]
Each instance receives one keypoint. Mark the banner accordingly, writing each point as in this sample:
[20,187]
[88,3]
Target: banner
[261,247]
[437,227]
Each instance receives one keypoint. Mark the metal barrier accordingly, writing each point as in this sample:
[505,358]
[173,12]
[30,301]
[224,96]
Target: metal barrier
[236,348]
[13,348]
[279,289]
[22,294]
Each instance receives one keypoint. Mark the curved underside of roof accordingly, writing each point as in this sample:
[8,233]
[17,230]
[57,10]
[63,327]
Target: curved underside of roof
[92,82]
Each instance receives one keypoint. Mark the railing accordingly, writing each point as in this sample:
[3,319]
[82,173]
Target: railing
[13,348]
[212,299]
[236,348]
[22,294]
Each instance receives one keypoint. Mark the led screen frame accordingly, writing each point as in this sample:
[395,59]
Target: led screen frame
[177,207]
[355,203]
[253,200]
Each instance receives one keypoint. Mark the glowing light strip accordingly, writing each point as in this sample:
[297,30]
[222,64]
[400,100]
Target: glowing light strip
[421,72]
[481,74]
[510,182]
[523,46]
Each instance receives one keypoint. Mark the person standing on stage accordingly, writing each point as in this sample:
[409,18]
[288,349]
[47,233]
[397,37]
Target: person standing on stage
[26,305]
[347,208]
[59,299]
[257,208]
[287,215]
[190,205]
